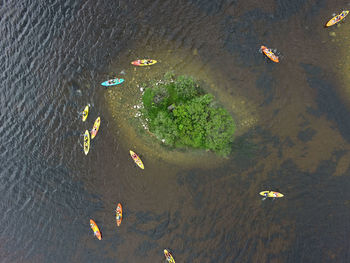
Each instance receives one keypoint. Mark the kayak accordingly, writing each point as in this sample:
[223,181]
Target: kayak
[337,18]
[271,194]
[94,228]
[119,214]
[144,62]
[168,256]
[86,142]
[85,113]
[95,128]
[268,52]
[112,82]
[136,159]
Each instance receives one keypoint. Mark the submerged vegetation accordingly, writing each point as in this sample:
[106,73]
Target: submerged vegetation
[180,114]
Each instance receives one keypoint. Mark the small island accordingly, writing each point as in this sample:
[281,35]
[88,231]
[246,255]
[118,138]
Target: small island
[178,112]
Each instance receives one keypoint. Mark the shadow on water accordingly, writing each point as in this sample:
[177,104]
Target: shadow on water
[328,100]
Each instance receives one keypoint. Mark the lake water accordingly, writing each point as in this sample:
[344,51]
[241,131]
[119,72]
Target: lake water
[293,132]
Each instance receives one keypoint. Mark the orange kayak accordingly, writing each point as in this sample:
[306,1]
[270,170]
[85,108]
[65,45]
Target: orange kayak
[94,228]
[337,18]
[136,159]
[119,214]
[268,52]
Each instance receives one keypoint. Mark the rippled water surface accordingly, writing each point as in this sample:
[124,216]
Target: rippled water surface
[293,132]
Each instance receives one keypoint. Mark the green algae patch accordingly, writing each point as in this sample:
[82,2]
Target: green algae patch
[178,112]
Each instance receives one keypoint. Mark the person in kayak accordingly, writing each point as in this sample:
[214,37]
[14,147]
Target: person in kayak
[146,61]
[266,195]
[118,214]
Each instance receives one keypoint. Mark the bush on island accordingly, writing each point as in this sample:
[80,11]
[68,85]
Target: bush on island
[180,114]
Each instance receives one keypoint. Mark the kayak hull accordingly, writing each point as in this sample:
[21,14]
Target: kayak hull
[137,159]
[119,214]
[269,54]
[144,62]
[112,82]
[168,256]
[96,230]
[337,18]
[271,194]
[95,127]
[86,142]
[85,113]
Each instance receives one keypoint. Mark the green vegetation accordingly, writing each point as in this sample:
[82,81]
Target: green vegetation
[180,114]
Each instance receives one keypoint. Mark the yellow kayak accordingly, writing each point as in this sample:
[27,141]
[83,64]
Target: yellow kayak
[86,142]
[95,128]
[168,256]
[144,62]
[337,18]
[136,159]
[96,230]
[271,194]
[85,113]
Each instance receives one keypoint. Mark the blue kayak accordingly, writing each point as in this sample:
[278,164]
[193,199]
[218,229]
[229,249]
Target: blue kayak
[112,82]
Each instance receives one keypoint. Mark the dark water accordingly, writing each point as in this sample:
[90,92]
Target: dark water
[55,54]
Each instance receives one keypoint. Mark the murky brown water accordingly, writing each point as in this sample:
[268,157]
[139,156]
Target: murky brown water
[292,136]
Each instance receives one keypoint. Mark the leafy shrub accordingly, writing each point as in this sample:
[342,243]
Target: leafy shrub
[181,115]
[165,128]
[186,88]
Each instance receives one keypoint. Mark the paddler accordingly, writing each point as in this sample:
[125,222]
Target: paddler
[118,214]
[266,195]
